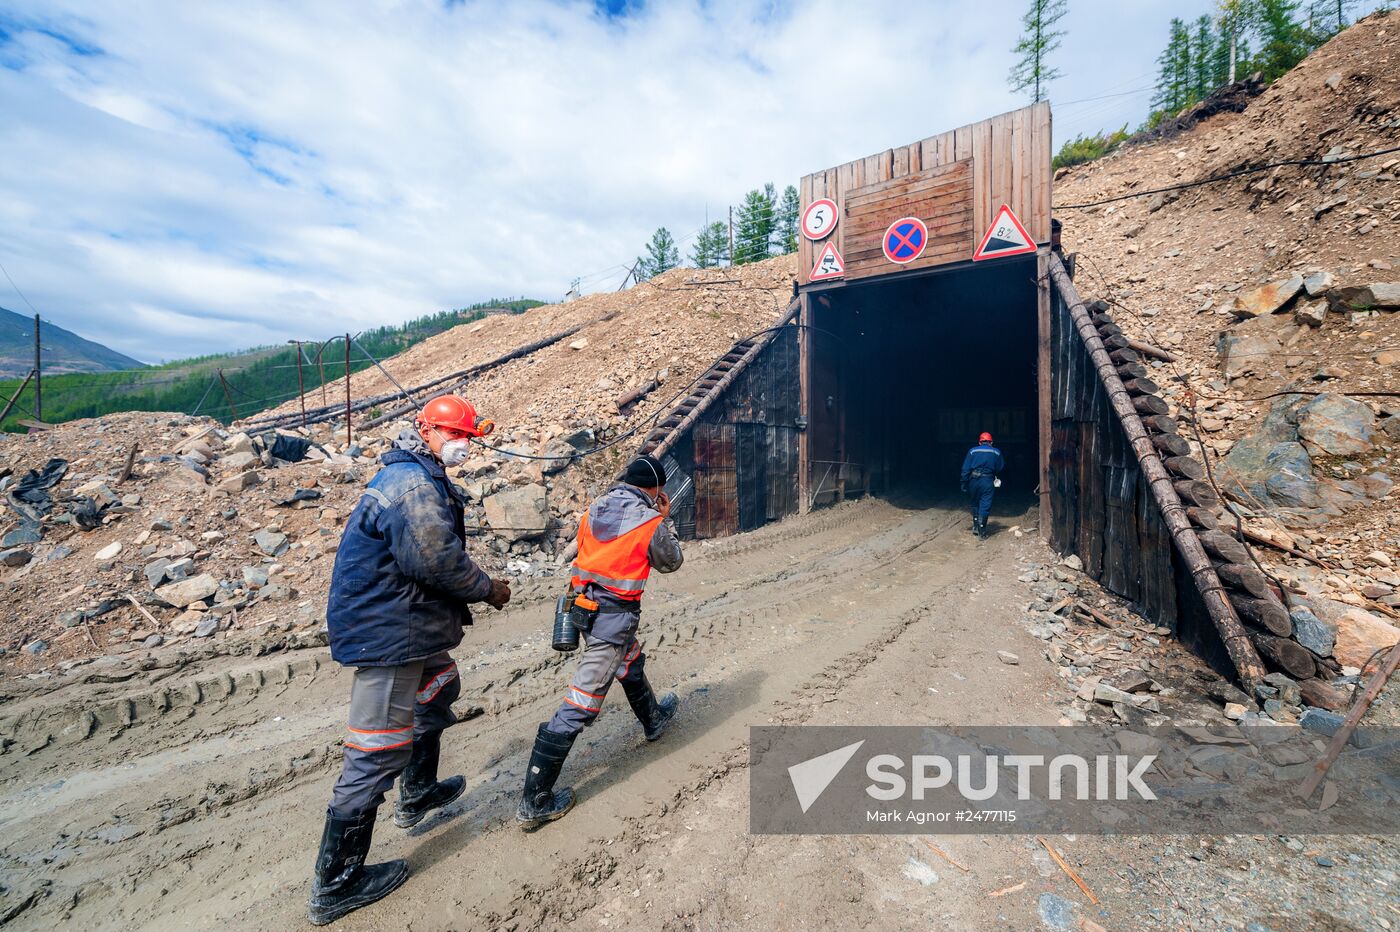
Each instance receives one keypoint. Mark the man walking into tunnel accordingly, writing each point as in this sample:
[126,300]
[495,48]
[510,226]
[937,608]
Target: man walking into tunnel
[397,604]
[622,537]
[980,469]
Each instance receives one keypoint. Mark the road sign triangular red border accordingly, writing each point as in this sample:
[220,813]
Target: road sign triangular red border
[981,253]
[830,247]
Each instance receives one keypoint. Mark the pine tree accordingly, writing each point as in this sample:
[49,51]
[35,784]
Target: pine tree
[1174,71]
[1234,18]
[662,254]
[754,225]
[788,210]
[1329,17]
[711,246]
[1035,45]
[1283,41]
[1203,60]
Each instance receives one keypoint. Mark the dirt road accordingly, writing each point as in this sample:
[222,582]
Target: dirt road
[195,801]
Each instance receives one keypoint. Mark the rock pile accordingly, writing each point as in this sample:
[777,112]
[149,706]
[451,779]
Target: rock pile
[217,532]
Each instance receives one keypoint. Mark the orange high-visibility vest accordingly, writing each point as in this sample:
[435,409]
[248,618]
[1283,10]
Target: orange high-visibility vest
[620,565]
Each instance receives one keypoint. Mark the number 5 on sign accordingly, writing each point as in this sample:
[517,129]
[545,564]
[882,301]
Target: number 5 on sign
[1005,237]
[819,219]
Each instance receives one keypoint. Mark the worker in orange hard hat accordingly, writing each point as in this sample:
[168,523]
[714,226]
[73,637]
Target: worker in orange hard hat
[980,469]
[397,604]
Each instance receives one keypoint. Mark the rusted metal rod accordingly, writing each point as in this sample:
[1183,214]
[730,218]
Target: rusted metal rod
[1343,734]
[1222,614]
[349,435]
[301,388]
[15,397]
[228,395]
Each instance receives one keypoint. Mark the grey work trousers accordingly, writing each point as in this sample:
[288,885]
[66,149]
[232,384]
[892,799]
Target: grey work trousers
[601,663]
[390,708]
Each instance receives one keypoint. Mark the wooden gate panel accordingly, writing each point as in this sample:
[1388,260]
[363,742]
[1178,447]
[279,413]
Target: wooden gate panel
[716,481]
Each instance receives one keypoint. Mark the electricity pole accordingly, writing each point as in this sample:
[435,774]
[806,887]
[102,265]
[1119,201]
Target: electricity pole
[38,375]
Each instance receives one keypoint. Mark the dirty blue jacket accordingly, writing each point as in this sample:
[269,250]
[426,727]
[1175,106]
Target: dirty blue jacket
[620,509]
[983,457]
[402,577]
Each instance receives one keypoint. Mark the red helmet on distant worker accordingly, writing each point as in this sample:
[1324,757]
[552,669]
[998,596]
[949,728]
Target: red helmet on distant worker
[455,412]
[984,437]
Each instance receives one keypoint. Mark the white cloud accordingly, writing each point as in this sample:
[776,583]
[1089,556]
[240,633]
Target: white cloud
[222,174]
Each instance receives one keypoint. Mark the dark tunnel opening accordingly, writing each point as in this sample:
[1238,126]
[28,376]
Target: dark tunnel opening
[907,373]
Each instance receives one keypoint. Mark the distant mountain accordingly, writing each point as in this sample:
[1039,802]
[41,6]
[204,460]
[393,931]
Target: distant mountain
[64,351]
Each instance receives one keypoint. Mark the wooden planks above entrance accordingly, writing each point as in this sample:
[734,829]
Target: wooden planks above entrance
[955,182]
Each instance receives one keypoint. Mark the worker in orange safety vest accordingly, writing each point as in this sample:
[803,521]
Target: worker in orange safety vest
[623,536]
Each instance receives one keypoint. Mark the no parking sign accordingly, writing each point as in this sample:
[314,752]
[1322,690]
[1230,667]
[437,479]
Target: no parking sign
[905,240]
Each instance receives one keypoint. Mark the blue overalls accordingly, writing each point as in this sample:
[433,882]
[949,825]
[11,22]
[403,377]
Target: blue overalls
[980,468]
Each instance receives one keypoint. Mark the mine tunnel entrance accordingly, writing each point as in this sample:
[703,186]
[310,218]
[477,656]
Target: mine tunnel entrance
[906,372]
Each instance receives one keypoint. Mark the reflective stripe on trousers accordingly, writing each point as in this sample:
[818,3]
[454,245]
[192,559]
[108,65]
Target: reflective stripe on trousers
[390,707]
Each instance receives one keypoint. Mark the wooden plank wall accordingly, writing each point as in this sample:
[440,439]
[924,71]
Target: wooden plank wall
[745,447]
[1008,160]
[1101,507]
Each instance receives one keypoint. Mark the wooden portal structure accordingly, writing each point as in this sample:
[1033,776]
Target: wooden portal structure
[794,420]
[956,182]
[882,372]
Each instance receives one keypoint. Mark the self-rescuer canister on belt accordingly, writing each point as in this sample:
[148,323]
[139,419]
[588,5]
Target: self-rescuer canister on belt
[620,565]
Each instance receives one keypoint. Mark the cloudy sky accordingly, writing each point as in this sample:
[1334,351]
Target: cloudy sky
[181,178]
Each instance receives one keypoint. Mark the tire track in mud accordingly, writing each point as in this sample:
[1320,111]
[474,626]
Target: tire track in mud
[153,764]
[541,906]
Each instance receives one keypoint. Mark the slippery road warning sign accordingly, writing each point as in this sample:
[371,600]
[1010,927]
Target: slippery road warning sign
[1006,237]
[829,264]
[905,240]
[819,219]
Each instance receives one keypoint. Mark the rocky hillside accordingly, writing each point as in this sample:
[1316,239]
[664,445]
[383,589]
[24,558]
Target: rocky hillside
[1279,295]
[218,540]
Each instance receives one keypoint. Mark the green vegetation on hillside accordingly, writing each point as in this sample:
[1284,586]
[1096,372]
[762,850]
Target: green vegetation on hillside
[257,378]
[1087,148]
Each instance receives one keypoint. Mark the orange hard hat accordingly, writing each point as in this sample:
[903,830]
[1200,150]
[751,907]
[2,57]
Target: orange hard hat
[984,437]
[456,412]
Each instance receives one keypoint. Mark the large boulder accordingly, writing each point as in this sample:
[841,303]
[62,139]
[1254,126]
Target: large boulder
[187,591]
[518,512]
[241,461]
[1383,296]
[1360,634]
[1265,471]
[561,454]
[1266,299]
[1336,424]
[1250,349]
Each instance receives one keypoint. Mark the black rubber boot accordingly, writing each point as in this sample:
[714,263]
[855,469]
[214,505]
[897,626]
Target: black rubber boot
[541,803]
[343,882]
[982,529]
[420,791]
[653,714]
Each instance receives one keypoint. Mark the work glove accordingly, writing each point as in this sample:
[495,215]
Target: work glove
[964,486]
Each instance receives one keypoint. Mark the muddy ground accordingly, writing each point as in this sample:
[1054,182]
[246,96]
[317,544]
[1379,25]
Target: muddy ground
[192,797]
